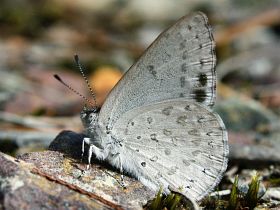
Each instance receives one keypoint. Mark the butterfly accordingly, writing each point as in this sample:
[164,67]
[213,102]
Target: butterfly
[157,123]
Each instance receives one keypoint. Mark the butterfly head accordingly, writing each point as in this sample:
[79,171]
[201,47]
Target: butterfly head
[89,116]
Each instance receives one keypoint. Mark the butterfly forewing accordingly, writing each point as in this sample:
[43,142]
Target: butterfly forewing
[175,143]
[179,64]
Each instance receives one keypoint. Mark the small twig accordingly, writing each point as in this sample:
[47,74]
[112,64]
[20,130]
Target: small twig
[22,138]
[25,121]
[40,123]
[270,17]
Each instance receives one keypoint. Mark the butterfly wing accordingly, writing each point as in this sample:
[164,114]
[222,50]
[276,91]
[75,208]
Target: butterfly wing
[174,143]
[179,64]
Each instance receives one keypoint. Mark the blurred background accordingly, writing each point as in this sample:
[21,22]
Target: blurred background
[39,38]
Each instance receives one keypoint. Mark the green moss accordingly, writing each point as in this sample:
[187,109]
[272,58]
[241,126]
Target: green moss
[233,200]
[171,201]
[251,198]
[236,200]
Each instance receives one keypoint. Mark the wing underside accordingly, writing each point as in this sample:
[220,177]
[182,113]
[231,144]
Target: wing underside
[179,64]
[177,143]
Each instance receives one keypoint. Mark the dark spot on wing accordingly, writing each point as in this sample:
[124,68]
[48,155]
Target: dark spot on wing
[205,61]
[149,120]
[167,151]
[200,95]
[187,163]
[152,71]
[196,142]
[202,78]
[182,45]
[211,157]
[194,132]
[167,132]
[196,36]
[154,137]
[189,27]
[196,152]
[213,51]
[154,158]
[172,170]
[182,81]
[201,119]
[143,164]
[182,120]
[185,53]
[184,67]
[188,107]
[132,123]
[167,110]
[211,144]
[174,140]
[138,137]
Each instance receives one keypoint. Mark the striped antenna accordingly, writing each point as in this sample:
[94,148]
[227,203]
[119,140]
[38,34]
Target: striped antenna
[72,89]
[77,60]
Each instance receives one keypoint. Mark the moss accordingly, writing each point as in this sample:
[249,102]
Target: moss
[236,200]
[251,198]
[171,201]
[233,200]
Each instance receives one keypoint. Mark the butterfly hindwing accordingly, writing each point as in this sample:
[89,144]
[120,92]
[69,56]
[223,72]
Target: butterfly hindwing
[174,143]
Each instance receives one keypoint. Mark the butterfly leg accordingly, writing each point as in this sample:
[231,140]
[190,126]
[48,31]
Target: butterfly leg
[83,149]
[122,177]
[99,153]
[90,155]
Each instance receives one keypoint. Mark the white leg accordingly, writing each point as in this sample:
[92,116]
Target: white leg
[89,155]
[83,149]
[121,170]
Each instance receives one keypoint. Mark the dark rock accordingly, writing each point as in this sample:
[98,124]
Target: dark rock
[69,143]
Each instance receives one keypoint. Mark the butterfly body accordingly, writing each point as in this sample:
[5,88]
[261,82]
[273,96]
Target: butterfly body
[157,123]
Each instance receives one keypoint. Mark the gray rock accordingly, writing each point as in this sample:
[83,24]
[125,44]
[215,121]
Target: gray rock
[23,186]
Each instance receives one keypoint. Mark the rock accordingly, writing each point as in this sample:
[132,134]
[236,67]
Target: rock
[23,186]
[252,132]
[240,114]
[253,154]
[69,143]
[272,193]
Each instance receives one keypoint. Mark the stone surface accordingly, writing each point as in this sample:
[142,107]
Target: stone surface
[21,187]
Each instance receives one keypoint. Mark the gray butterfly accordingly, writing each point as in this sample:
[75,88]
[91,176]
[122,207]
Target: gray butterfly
[157,123]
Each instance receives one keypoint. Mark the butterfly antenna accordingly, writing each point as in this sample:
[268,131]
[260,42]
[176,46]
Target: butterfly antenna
[77,60]
[72,89]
